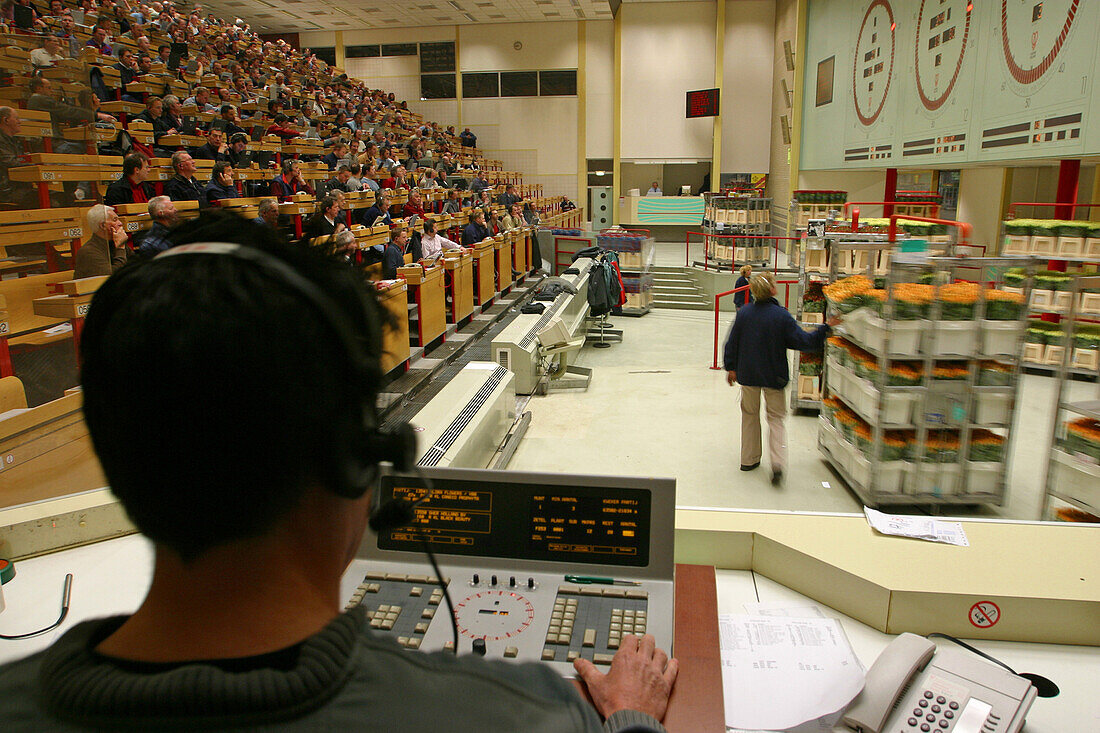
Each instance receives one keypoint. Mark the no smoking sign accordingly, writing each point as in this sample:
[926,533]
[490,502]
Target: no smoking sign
[984,614]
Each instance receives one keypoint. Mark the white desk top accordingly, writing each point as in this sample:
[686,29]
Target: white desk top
[111,577]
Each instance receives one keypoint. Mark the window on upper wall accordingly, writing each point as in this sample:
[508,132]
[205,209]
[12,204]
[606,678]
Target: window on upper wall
[362,52]
[558,83]
[519,83]
[326,54]
[436,58]
[437,86]
[398,49]
[480,85]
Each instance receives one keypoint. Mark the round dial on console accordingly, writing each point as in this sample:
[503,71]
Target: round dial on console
[494,615]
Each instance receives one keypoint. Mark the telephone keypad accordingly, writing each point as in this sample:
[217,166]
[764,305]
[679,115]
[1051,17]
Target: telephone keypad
[933,714]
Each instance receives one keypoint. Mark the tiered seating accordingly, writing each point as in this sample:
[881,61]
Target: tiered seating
[477,276]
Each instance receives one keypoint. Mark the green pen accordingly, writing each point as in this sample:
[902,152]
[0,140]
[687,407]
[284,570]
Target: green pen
[592,579]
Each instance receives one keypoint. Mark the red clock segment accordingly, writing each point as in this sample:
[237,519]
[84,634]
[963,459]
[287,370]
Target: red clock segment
[873,64]
[942,34]
[1028,29]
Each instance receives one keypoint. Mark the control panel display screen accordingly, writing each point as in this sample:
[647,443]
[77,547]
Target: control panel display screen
[595,525]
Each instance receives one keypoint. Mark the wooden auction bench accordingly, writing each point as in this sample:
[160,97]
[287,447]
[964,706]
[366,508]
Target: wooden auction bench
[503,261]
[60,230]
[459,266]
[485,274]
[426,292]
[25,328]
[45,169]
[395,340]
[71,304]
[46,449]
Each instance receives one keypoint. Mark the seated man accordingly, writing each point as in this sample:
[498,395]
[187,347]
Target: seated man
[229,120]
[380,210]
[238,149]
[49,54]
[397,180]
[105,250]
[221,185]
[338,182]
[414,206]
[509,197]
[98,41]
[131,188]
[290,181]
[23,195]
[339,152]
[475,231]
[200,98]
[183,186]
[394,256]
[214,148]
[267,214]
[242,626]
[154,115]
[324,221]
[62,114]
[164,215]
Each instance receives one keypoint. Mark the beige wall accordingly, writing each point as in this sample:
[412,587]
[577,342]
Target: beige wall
[600,82]
[667,50]
[980,203]
[747,86]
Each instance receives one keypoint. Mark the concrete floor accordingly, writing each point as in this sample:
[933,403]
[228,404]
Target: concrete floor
[655,408]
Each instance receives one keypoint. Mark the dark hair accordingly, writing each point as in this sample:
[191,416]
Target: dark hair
[133,162]
[249,381]
[220,167]
[37,82]
[225,108]
[238,137]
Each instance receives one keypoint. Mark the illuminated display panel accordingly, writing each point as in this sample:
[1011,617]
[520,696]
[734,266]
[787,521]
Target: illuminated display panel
[595,525]
[702,103]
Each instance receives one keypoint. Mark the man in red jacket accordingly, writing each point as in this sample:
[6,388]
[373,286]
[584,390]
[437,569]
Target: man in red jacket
[414,206]
[290,182]
[397,180]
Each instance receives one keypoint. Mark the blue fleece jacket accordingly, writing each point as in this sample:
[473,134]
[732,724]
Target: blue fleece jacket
[757,345]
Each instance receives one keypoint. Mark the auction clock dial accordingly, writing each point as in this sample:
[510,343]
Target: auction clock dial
[1032,35]
[943,29]
[494,615]
[873,65]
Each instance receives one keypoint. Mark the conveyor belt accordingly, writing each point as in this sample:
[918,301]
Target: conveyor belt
[478,349]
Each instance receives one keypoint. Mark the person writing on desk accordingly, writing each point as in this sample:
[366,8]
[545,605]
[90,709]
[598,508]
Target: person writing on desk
[243,626]
[756,358]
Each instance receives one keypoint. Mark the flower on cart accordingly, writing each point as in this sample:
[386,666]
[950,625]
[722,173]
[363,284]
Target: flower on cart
[985,445]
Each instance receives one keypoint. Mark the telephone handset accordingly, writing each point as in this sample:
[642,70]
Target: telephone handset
[913,688]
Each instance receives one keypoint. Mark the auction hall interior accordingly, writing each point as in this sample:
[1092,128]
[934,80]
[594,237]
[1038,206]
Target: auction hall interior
[765,330]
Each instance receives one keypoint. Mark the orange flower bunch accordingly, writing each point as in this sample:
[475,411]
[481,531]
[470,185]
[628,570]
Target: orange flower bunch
[949,370]
[1085,427]
[943,440]
[896,438]
[960,293]
[1004,296]
[981,436]
[846,287]
[913,293]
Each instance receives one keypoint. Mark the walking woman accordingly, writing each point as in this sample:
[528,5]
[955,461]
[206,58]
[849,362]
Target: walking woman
[756,358]
[739,299]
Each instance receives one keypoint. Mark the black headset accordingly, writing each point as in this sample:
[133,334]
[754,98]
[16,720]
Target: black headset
[361,444]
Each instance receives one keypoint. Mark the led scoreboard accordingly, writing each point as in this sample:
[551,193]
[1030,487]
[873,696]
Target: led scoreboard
[702,103]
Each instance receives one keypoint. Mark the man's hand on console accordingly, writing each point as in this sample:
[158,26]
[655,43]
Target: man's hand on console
[641,678]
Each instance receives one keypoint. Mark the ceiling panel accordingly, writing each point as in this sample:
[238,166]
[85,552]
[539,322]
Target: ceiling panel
[271,16]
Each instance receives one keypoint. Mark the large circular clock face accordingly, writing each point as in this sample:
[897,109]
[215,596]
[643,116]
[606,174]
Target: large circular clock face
[873,65]
[494,615]
[943,28]
[1032,34]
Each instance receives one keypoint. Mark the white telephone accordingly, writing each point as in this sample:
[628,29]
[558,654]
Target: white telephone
[913,688]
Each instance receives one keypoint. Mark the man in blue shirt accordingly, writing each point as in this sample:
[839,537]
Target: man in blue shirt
[476,230]
[221,185]
[164,215]
[394,256]
[756,358]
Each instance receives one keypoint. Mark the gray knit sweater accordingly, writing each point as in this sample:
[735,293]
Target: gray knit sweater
[345,678]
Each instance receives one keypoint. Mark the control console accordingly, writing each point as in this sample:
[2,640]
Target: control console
[546,567]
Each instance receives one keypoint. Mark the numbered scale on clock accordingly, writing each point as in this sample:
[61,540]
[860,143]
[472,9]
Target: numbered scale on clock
[494,615]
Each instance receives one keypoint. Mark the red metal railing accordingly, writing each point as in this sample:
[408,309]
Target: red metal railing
[965,229]
[743,288]
[706,237]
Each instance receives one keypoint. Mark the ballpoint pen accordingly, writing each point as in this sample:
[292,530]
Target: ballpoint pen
[592,579]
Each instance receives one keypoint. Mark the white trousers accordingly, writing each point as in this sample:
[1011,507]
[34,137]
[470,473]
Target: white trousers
[776,406]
